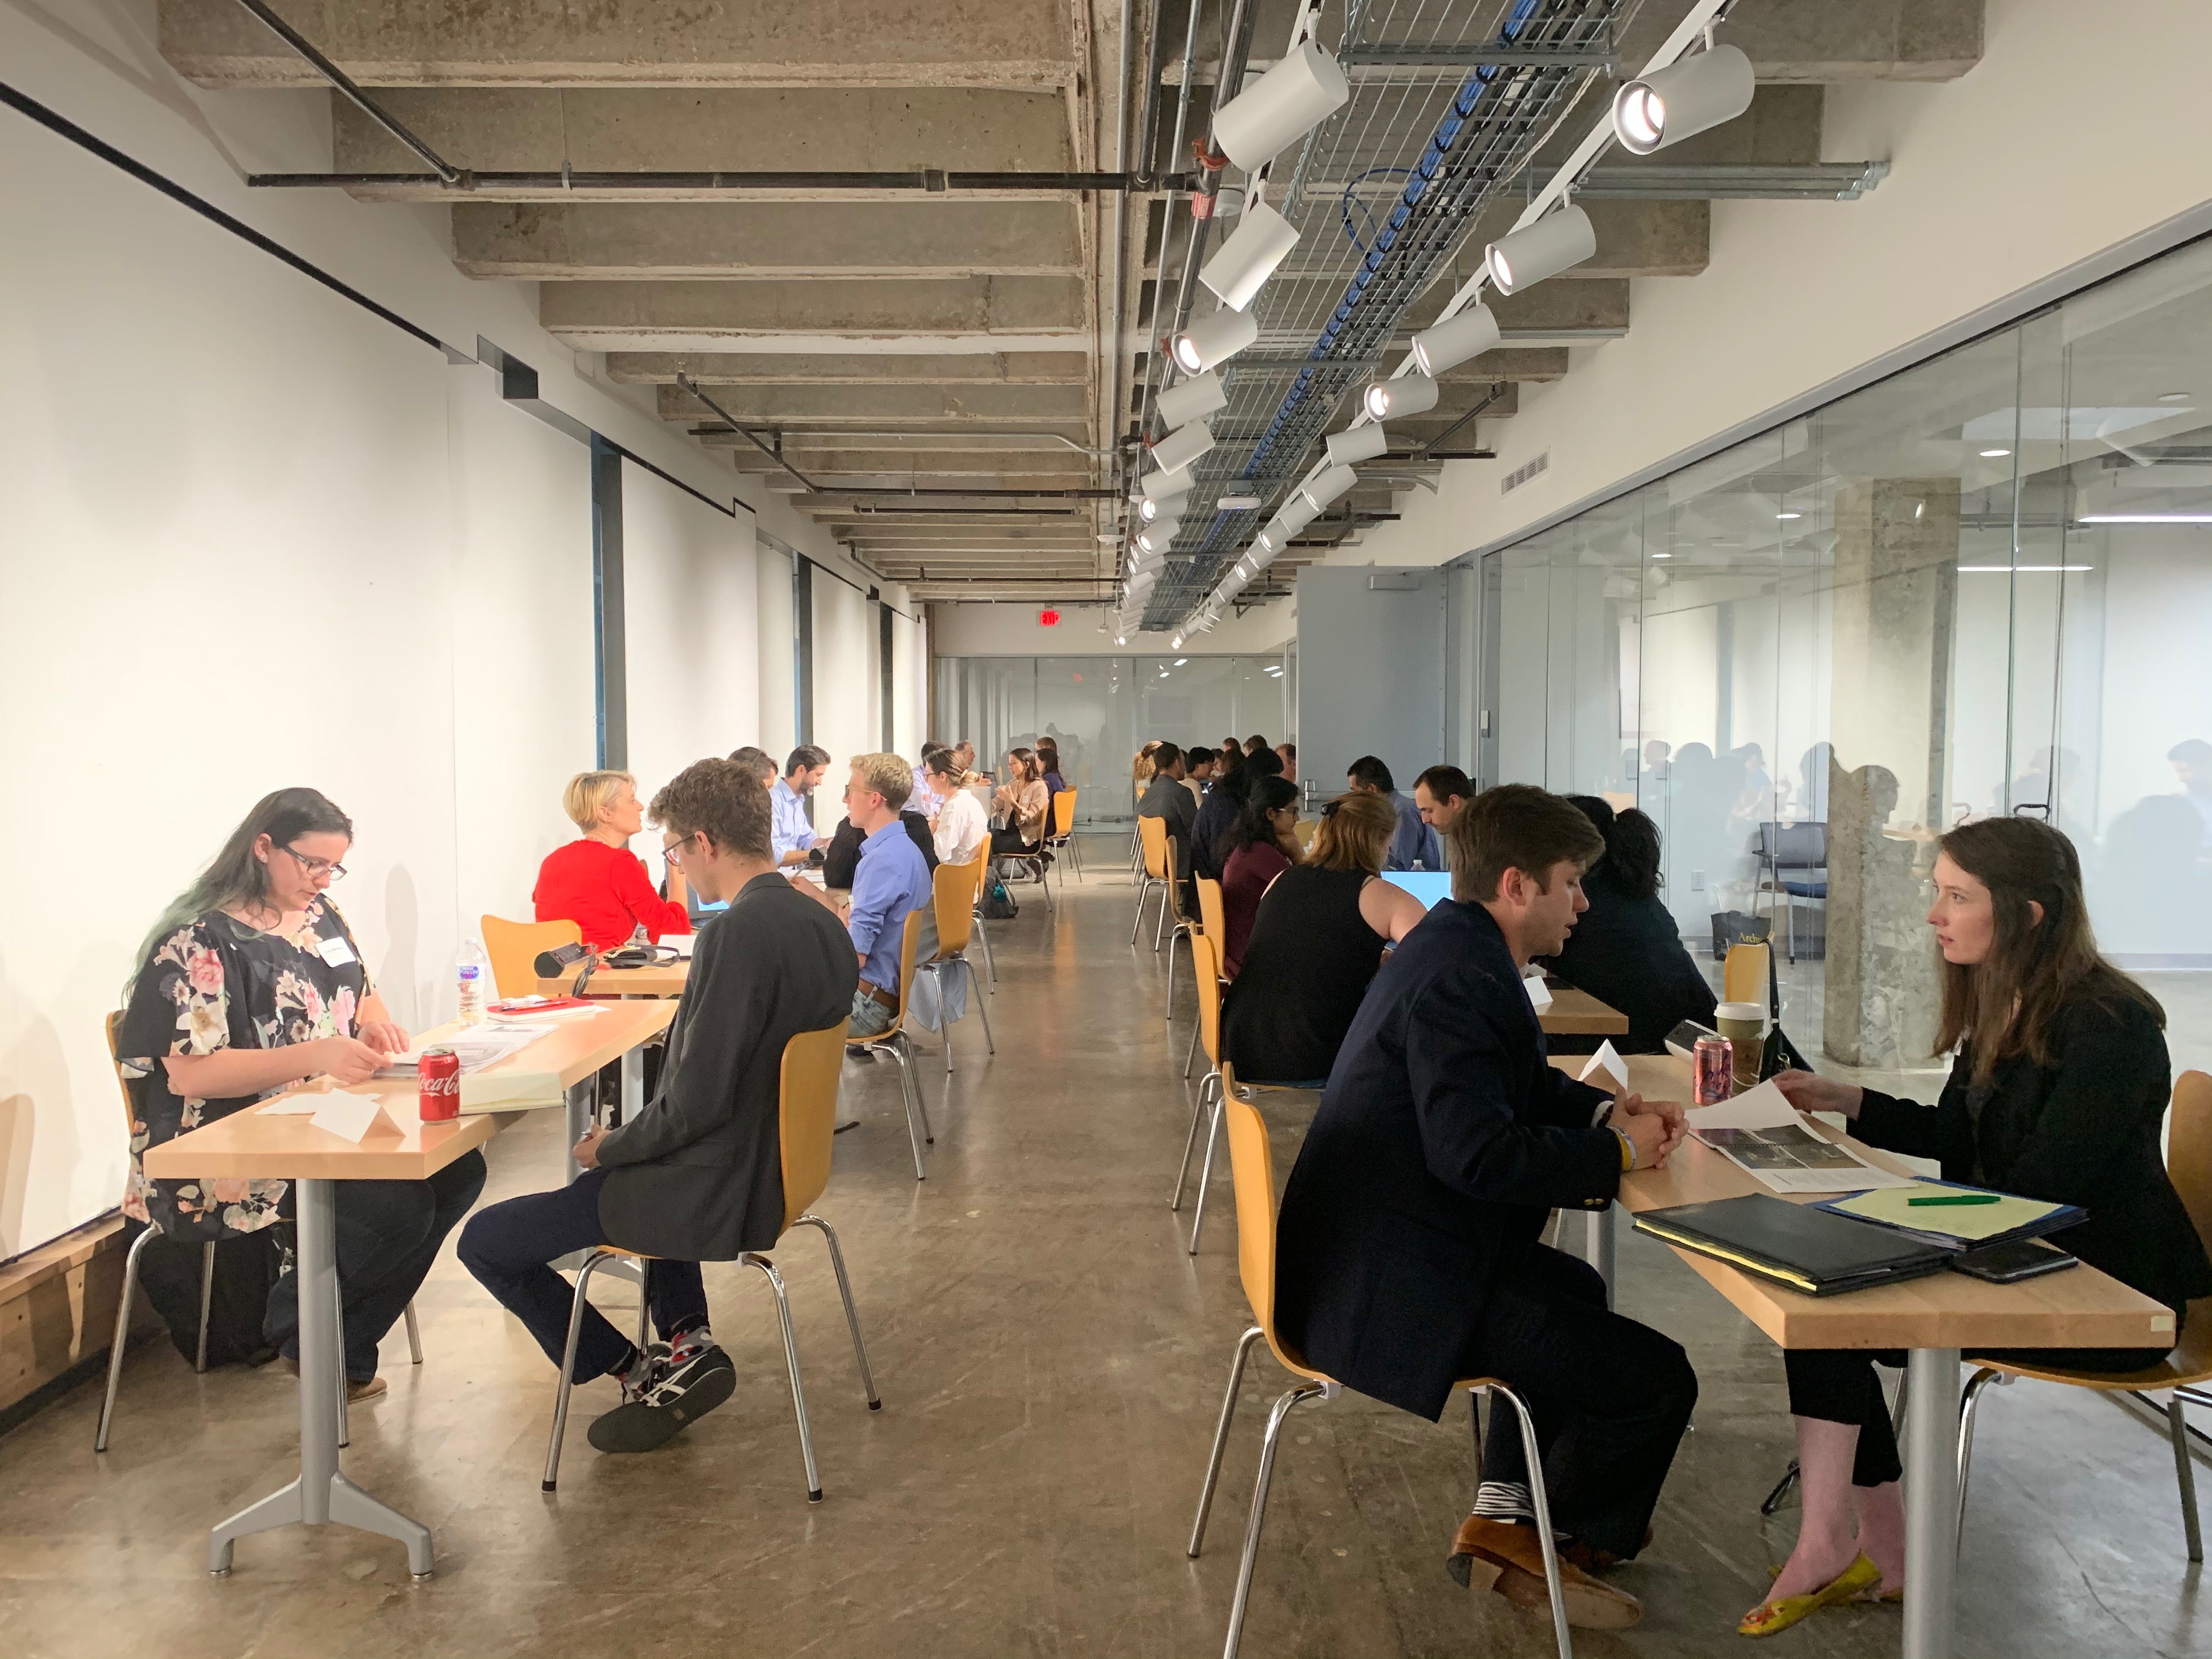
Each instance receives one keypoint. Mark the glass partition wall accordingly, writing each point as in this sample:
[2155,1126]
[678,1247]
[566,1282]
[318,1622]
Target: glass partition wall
[1101,710]
[1982,585]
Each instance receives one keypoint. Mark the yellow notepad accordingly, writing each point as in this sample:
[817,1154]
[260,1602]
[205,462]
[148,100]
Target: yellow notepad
[1967,1221]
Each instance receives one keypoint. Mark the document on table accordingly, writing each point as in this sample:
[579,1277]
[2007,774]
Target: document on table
[1945,1223]
[478,1046]
[1762,1134]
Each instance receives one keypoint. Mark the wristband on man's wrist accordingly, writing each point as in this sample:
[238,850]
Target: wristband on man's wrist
[1627,1150]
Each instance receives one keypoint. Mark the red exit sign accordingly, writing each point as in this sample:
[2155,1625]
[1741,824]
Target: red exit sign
[1047,619]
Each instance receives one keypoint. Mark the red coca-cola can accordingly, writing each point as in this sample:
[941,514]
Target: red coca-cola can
[1714,1060]
[439,1074]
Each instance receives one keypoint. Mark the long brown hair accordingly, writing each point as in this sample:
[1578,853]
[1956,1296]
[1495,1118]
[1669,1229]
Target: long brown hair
[2009,1003]
[1354,832]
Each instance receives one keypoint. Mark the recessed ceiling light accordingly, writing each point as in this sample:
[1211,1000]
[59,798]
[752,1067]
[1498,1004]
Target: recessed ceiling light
[1790,515]
[1992,455]
[1180,661]
[2174,396]
[1662,555]
[1108,538]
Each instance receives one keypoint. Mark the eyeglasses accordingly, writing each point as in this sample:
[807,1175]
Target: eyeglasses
[315,868]
[674,851]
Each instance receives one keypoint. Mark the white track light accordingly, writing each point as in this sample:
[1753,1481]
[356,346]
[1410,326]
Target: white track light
[1298,93]
[1168,506]
[1357,443]
[1552,244]
[1327,487]
[1295,514]
[1454,340]
[1154,537]
[1682,99]
[1241,265]
[1215,340]
[1175,451]
[1409,394]
[1163,487]
[1194,400]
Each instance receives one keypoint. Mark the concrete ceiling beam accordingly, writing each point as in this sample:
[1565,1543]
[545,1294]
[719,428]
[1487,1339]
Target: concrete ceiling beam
[1782,128]
[743,368]
[886,405]
[650,129]
[975,313]
[1027,43]
[632,241]
[1823,40]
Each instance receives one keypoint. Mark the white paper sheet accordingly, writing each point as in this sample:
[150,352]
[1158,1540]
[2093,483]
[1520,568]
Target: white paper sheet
[680,943]
[478,1047]
[350,1116]
[1762,1134]
[1540,993]
[1606,1062]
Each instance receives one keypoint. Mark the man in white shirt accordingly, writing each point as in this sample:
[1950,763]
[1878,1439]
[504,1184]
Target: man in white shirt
[794,835]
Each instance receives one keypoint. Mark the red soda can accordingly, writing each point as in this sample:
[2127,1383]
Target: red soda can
[439,1074]
[1714,1060]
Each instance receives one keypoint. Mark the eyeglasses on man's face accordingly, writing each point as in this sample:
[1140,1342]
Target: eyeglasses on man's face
[317,869]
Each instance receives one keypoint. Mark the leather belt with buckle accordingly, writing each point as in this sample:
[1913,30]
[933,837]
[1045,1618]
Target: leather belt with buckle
[881,995]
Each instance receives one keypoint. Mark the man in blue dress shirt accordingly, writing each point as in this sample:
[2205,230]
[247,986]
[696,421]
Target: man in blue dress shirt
[891,882]
[1415,847]
[793,833]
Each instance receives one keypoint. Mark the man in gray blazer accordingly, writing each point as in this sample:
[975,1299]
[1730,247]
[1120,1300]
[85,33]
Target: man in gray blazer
[698,1175]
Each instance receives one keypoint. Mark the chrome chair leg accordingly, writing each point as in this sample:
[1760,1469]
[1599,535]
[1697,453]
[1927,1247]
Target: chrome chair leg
[1190,1054]
[852,1314]
[790,1361]
[1160,924]
[2184,1475]
[414,1336]
[1968,1404]
[592,1262]
[990,1042]
[1144,887]
[1540,1502]
[644,1306]
[1284,1406]
[920,1100]
[1220,1439]
[1205,1172]
[345,1424]
[1190,1141]
[207,1301]
[1172,938]
[122,1333]
[983,936]
[907,1092]
[1773,1501]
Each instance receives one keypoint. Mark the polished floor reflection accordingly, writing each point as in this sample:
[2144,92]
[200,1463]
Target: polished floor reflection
[1050,1362]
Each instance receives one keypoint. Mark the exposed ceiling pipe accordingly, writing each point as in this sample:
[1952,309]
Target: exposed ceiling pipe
[452,177]
[1154,373]
[927,181]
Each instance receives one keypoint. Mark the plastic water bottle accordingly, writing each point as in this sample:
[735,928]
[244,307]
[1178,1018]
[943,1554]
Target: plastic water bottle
[472,974]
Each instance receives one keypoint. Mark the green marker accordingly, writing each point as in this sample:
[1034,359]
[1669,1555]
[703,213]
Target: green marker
[1956,1198]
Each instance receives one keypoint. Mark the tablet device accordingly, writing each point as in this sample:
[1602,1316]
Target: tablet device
[1427,885]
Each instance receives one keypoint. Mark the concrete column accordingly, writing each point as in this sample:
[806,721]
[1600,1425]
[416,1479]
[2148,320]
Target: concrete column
[1897,545]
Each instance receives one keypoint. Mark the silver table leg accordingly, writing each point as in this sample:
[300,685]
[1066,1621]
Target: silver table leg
[1931,1502]
[321,1494]
[578,1100]
[632,1084]
[1603,1247]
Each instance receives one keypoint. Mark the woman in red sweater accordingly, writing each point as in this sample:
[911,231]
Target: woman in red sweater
[597,882]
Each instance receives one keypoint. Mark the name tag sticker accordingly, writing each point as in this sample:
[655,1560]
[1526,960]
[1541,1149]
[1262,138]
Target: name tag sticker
[337,951]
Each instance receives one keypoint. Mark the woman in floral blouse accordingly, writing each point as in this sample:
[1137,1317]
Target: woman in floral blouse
[251,981]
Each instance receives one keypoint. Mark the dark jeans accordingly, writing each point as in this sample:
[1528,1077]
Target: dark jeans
[1838,1385]
[388,1234]
[1611,1398]
[508,1247]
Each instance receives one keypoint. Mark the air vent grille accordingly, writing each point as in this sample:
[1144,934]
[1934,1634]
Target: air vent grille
[1520,474]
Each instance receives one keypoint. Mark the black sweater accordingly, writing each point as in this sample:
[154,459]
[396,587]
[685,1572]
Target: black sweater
[1627,952]
[2082,1130]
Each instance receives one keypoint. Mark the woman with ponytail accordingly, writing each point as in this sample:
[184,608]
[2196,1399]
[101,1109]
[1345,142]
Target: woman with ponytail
[1626,949]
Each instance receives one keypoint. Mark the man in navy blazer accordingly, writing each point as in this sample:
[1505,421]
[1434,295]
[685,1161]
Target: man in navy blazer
[1408,1246]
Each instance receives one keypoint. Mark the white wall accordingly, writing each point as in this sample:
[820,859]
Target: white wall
[910,685]
[1993,187]
[691,604]
[778,729]
[847,717]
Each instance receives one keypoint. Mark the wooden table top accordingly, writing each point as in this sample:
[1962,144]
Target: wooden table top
[1577,1013]
[2080,1308]
[286,1147]
[662,979]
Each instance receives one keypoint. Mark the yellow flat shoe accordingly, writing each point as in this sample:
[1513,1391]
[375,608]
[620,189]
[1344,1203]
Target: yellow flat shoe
[1768,1618]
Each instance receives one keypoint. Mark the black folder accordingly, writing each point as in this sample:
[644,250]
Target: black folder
[1807,1250]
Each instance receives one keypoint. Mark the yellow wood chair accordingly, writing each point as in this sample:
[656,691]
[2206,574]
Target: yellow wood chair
[1211,922]
[1186,926]
[955,887]
[1303,830]
[1152,842]
[981,864]
[806,1110]
[514,946]
[892,1040]
[2188,1368]
[1251,1163]
[1743,974]
[1062,836]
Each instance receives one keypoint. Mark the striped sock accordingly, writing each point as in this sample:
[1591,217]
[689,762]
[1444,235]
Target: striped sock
[1507,1500]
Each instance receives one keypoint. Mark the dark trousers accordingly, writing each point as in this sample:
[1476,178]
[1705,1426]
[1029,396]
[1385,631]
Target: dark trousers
[1838,1385]
[508,1247]
[1611,1398]
[388,1234]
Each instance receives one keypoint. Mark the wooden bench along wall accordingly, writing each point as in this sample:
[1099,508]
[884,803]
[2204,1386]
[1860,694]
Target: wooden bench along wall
[57,1310]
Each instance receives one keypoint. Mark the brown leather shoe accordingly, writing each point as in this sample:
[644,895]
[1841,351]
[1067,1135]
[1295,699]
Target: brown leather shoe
[358,1392]
[1590,1558]
[1508,1558]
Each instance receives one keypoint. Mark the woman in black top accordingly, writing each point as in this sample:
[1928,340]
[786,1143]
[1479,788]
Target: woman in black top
[1626,950]
[1315,944]
[2056,1093]
[250,982]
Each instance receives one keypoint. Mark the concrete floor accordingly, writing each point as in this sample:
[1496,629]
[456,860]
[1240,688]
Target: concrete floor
[1050,1362]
